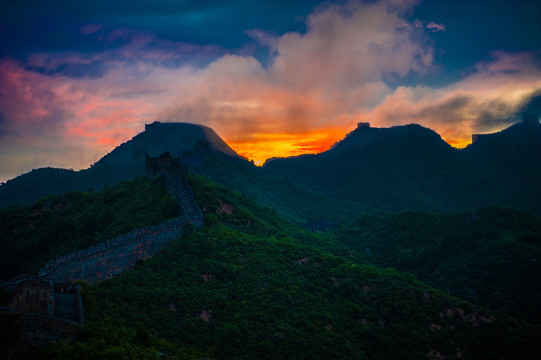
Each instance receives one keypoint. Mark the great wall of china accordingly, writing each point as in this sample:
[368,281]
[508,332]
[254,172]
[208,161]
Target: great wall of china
[106,259]
[51,301]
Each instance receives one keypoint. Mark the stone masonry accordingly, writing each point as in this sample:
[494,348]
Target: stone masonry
[104,260]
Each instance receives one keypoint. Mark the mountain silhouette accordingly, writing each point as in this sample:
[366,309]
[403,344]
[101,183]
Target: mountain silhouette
[124,162]
[411,167]
[402,167]
[201,150]
[128,159]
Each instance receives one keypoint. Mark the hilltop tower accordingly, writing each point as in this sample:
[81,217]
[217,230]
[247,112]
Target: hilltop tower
[154,125]
[477,137]
[163,164]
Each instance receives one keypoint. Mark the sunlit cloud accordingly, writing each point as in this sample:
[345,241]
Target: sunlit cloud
[68,109]
[435,27]
[486,101]
[317,81]
[71,122]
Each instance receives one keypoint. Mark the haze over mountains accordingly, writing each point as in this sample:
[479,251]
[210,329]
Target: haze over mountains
[402,167]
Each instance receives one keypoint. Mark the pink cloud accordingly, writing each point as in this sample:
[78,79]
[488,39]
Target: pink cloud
[317,86]
[71,122]
[434,27]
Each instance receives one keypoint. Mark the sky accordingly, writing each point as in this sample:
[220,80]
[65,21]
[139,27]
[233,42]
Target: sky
[272,78]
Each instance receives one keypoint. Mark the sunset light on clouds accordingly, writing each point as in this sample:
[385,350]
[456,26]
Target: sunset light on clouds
[76,82]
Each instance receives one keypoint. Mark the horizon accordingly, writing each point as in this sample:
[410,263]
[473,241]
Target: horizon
[273,80]
[263,162]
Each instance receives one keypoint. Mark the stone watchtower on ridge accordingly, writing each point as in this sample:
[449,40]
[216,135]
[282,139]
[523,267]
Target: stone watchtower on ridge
[162,164]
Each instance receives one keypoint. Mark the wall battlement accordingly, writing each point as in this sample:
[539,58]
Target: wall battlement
[106,259]
[50,300]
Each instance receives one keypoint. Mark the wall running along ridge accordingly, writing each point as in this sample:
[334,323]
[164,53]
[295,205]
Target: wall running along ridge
[47,308]
[104,260]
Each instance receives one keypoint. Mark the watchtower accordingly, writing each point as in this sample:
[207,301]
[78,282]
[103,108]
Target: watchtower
[163,163]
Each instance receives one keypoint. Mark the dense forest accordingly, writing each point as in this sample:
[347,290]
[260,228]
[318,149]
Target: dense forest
[250,284]
[60,224]
[489,256]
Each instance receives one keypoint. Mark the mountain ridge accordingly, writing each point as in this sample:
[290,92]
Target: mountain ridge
[411,167]
[396,168]
[122,163]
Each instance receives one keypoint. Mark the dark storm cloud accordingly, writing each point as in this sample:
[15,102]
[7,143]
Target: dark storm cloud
[474,29]
[94,69]
[494,114]
[490,113]
[41,26]
[448,110]
[464,32]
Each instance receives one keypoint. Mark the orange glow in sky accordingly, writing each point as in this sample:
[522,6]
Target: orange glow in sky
[314,88]
[266,146]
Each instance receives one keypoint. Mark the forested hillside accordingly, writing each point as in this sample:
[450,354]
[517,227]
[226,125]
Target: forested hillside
[490,256]
[60,224]
[252,285]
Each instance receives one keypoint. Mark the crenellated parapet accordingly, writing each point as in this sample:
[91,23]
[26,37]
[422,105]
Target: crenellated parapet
[109,258]
[106,259]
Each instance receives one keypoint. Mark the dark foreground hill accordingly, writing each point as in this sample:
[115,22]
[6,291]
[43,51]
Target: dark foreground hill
[250,285]
[123,163]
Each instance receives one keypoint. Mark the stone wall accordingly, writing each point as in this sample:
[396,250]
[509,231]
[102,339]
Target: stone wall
[173,175]
[35,296]
[104,260]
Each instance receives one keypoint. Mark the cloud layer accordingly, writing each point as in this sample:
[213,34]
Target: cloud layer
[68,109]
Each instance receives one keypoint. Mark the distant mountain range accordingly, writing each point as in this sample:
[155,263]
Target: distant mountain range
[411,167]
[402,167]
